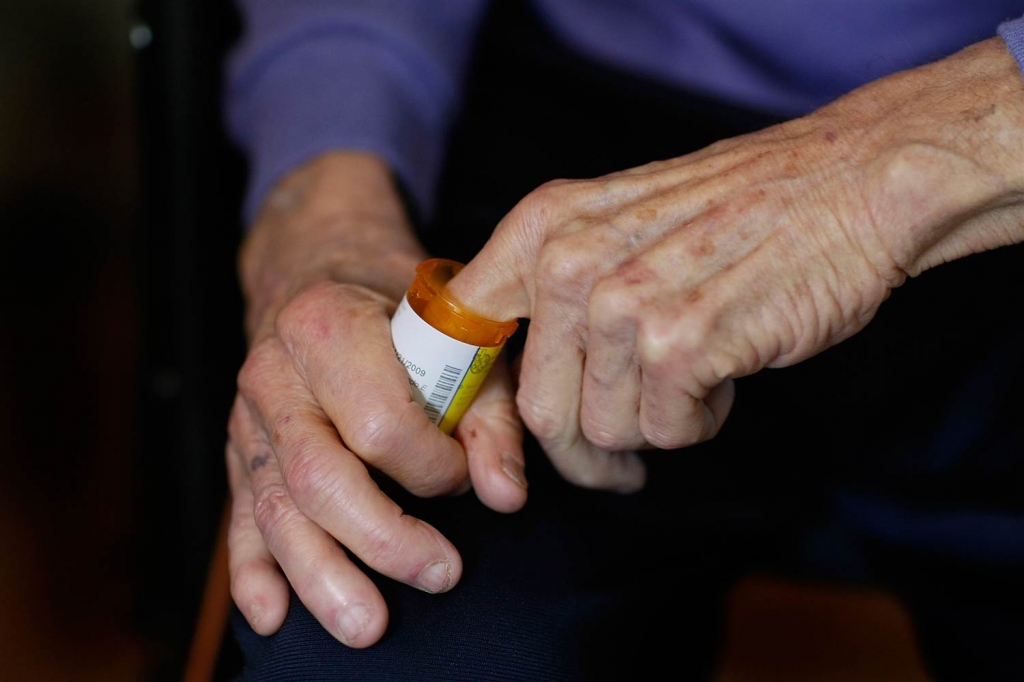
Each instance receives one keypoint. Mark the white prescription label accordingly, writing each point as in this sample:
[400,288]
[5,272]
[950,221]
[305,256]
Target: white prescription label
[438,365]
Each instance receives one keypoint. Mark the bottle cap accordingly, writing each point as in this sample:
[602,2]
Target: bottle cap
[428,296]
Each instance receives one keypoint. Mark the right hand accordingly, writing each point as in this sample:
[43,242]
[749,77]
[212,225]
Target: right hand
[322,401]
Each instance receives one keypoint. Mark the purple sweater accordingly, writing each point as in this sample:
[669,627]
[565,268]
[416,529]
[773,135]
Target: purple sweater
[384,75]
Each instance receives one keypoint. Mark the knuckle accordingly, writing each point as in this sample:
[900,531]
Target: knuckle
[376,434]
[548,194]
[273,510]
[536,210]
[308,477]
[258,364]
[303,316]
[603,435]
[684,338]
[397,438]
[622,185]
[543,421]
[612,304]
[544,204]
[574,193]
[565,265]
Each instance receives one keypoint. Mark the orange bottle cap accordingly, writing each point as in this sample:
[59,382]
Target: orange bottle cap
[429,298]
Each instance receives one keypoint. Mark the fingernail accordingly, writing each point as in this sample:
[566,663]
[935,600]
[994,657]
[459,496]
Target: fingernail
[352,621]
[436,577]
[513,468]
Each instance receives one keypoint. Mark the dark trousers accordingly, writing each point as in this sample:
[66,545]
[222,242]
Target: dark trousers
[892,460]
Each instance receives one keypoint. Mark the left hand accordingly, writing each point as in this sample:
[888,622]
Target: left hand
[651,289]
[323,412]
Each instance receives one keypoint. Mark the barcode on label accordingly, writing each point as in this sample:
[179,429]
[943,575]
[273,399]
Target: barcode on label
[443,388]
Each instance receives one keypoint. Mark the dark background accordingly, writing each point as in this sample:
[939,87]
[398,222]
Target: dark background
[119,221]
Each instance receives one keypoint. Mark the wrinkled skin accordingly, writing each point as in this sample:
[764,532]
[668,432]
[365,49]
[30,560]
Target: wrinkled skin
[648,292]
[323,406]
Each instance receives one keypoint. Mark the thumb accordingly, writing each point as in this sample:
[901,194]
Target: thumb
[492,284]
[499,282]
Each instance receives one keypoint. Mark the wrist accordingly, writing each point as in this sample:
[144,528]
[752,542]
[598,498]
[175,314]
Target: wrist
[943,174]
[337,218]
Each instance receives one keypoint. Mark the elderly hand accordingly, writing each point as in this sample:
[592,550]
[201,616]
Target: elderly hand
[323,404]
[651,289]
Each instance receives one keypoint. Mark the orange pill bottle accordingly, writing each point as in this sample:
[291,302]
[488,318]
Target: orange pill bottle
[446,350]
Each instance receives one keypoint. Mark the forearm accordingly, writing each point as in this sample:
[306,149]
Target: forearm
[947,176]
[337,218]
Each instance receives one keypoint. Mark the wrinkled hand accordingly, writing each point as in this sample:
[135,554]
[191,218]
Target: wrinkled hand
[651,289]
[323,404]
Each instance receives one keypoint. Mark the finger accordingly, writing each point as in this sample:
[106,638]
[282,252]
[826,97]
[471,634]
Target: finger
[610,404]
[673,414]
[333,488]
[549,402]
[257,586]
[687,356]
[341,340]
[336,592]
[492,435]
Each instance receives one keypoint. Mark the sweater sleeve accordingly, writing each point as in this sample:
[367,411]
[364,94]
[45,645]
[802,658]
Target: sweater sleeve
[1012,33]
[381,76]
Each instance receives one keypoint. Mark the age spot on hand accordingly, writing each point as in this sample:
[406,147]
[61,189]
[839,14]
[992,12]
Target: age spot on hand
[634,273]
[703,248]
[647,214]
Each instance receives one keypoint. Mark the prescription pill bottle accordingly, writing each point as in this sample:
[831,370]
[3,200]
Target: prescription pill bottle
[446,350]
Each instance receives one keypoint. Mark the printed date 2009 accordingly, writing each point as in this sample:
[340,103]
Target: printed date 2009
[412,367]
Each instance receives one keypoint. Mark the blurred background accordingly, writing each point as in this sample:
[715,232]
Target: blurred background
[121,330]
[121,334]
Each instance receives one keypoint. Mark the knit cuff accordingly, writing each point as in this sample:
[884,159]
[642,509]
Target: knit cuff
[1012,33]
